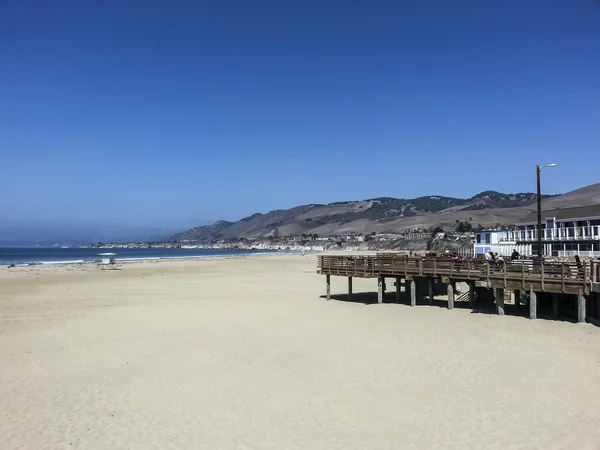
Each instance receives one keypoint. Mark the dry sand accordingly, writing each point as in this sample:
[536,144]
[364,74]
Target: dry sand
[244,354]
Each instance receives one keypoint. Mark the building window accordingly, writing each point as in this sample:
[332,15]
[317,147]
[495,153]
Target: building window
[549,228]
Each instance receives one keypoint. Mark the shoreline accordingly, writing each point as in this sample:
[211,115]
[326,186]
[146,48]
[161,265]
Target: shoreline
[134,259]
[156,259]
[56,269]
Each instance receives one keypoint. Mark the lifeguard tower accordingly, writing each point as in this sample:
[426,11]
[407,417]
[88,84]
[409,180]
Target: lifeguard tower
[107,261]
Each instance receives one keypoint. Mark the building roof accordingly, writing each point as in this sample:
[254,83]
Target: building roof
[579,212]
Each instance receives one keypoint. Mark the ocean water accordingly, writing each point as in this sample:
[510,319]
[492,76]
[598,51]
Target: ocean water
[26,256]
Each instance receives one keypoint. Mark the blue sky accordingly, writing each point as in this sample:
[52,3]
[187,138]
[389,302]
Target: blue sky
[161,113]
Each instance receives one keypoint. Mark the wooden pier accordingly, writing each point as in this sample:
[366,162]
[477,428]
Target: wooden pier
[418,275]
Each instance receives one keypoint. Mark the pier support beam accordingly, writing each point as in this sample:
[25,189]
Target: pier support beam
[380,290]
[430,285]
[472,294]
[555,304]
[398,286]
[328,286]
[499,296]
[349,289]
[450,295]
[532,305]
[413,293]
[580,307]
[517,296]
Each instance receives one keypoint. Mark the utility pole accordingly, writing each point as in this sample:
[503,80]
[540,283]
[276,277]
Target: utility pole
[539,209]
[539,213]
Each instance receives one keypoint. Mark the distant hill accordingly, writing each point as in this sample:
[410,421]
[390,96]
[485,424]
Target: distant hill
[385,214]
[585,196]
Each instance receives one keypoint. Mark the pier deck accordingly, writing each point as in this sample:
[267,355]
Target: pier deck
[557,277]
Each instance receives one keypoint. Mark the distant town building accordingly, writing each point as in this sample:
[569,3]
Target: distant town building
[413,235]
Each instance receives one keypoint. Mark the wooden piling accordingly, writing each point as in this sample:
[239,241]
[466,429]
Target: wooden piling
[532,305]
[450,296]
[555,304]
[430,285]
[580,307]
[499,296]
[380,288]
[328,286]
[349,288]
[413,293]
[398,286]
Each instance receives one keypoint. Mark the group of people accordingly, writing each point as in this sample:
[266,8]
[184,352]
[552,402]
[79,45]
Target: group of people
[494,257]
[489,256]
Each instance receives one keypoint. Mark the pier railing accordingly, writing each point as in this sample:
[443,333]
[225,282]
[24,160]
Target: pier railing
[566,277]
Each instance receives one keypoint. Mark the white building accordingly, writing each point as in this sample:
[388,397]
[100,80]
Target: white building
[565,232]
[489,240]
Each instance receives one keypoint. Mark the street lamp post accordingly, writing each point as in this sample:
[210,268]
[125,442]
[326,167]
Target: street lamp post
[539,209]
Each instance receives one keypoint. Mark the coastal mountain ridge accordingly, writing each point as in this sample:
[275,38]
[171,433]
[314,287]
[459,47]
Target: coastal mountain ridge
[388,214]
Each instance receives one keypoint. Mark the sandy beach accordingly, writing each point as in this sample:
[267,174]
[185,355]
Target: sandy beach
[243,353]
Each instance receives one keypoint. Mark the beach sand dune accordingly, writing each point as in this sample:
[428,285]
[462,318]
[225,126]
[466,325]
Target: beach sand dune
[245,354]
